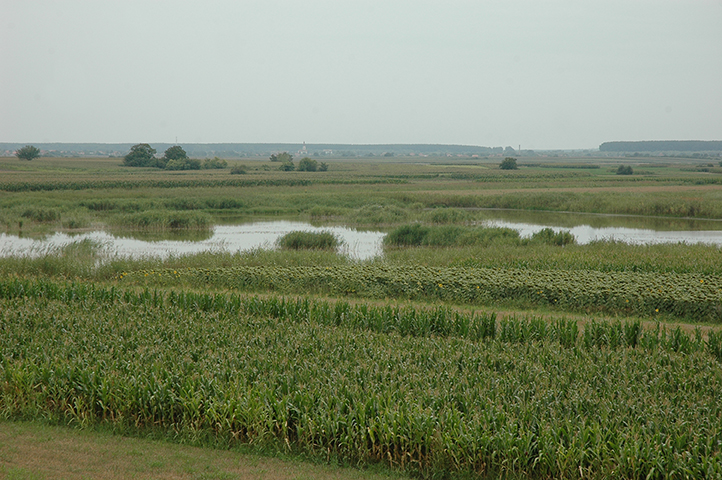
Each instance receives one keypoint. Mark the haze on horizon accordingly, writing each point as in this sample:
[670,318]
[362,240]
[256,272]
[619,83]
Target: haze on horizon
[544,75]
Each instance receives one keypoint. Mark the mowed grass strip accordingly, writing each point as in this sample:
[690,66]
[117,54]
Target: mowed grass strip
[35,451]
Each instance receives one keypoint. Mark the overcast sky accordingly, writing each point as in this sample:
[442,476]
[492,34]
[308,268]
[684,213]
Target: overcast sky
[540,74]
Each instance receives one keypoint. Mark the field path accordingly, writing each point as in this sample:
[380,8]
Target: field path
[28,450]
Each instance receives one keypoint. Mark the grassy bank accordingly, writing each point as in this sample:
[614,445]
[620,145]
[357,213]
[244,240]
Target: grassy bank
[31,450]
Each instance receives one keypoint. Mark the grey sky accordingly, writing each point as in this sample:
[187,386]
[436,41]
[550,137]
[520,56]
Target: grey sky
[543,74]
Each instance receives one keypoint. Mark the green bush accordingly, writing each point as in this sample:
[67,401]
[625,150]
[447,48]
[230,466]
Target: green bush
[183,164]
[307,165]
[624,170]
[509,164]
[215,162]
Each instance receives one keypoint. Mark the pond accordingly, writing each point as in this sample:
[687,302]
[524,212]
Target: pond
[631,229]
[357,244]
[360,244]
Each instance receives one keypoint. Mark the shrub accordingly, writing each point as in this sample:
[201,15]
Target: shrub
[624,170]
[286,167]
[239,170]
[215,162]
[509,164]
[307,165]
[183,164]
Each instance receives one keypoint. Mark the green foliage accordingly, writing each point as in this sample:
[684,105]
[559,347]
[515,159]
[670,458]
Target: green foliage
[238,170]
[284,157]
[183,164]
[508,163]
[28,152]
[286,166]
[164,220]
[624,170]
[41,214]
[447,215]
[175,152]
[141,155]
[214,163]
[434,392]
[684,296]
[550,237]
[323,167]
[407,235]
[307,165]
[449,235]
[300,240]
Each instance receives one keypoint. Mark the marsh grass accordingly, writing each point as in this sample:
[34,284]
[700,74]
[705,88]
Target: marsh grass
[300,240]
[417,235]
[164,220]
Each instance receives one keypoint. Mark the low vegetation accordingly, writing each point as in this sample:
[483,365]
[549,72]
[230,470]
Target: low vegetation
[605,362]
[416,235]
[301,240]
[429,391]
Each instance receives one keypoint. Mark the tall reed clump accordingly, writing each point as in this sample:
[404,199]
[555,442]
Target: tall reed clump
[417,235]
[164,220]
[300,240]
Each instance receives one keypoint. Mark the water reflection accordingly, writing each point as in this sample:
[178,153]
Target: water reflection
[360,245]
[585,233]
[598,221]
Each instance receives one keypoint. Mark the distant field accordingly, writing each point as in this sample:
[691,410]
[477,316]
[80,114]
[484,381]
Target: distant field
[52,193]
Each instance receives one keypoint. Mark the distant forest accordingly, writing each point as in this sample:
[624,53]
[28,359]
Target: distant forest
[239,150]
[662,146]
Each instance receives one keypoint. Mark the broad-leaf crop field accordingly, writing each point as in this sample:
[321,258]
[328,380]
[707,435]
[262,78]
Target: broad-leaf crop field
[472,353]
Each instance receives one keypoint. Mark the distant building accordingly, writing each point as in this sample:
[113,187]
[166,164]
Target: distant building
[303,152]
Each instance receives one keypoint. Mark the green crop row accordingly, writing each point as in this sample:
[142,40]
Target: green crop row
[689,296]
[28,186]
[439,321]
[281,374]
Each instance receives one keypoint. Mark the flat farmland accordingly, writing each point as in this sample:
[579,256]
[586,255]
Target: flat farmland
[463,351]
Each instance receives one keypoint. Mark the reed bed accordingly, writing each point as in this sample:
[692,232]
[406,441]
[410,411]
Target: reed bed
[517,399]
[300,240]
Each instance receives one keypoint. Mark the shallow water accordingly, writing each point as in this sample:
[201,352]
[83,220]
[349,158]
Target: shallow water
[359,245]
[585,234]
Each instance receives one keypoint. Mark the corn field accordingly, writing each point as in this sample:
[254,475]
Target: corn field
[433,391]
[691,296]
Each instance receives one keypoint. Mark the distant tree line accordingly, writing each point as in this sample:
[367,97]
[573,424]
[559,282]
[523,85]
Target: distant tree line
[662,146]
[306,164]
[174,158]
[236,150]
